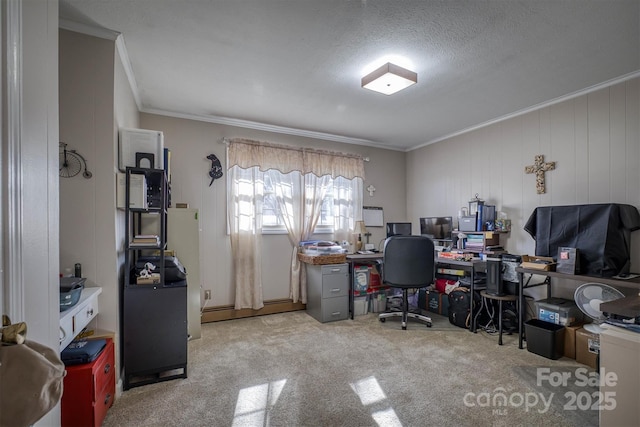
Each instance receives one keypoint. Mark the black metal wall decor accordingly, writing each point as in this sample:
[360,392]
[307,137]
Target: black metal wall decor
[71,163]
[216,168]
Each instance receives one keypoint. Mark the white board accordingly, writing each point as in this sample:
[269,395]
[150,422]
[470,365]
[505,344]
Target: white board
[134,141]
[373,216]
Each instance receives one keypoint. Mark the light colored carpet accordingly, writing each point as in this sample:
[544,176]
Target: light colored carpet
[290,370]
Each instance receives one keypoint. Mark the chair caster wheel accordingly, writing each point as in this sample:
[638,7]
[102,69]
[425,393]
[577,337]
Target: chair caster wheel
[382,319]
[429,325]
[404,328]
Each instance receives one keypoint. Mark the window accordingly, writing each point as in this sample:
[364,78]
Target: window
[290,190]
[272,214]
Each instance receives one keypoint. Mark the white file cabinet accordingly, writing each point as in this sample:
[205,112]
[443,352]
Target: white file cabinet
[328,291]
[620,355]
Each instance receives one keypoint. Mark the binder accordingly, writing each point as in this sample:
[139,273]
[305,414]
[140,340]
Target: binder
[486,213]
[479,218]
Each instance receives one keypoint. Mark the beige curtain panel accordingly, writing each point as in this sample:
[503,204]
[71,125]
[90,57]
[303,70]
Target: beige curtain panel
[246,154]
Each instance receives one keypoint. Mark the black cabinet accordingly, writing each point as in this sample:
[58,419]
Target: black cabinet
[153,311]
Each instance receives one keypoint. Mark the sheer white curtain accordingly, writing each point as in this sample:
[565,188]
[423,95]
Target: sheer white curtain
[287,188]
[301,179]
[347,206]
[245,193]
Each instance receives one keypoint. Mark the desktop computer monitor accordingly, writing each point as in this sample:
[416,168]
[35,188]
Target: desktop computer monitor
[398,229]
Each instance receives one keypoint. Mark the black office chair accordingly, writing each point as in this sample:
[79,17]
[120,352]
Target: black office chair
[408,263]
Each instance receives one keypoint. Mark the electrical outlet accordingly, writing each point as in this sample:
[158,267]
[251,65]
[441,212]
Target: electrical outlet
[207,294]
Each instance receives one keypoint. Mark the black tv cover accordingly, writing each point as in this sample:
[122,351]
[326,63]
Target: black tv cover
[601,233]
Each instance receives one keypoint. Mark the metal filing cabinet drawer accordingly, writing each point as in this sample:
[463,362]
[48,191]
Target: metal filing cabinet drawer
[335,269]
[333,283]
[328,291]
[335,309]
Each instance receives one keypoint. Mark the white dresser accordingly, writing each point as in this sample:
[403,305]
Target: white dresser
[75,319]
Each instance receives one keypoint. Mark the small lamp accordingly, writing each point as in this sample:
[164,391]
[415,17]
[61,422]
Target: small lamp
[360,230]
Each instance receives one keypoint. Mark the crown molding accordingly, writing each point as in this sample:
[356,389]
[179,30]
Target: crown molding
[270,128]
[122,52]
[540,106]
[91,30]
[121,48]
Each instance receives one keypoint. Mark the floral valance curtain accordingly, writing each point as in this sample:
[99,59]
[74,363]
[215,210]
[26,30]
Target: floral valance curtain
[247,154]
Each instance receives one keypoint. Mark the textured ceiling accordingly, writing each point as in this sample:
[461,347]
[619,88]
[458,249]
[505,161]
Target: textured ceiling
[294,66]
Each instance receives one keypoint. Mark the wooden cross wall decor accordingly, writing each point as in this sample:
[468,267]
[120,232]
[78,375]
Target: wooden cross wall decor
[539,167]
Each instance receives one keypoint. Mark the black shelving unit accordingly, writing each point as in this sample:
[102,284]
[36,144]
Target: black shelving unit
[154,316]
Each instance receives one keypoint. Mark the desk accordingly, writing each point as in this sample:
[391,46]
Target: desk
[631,283]
[359,259]
[374,258]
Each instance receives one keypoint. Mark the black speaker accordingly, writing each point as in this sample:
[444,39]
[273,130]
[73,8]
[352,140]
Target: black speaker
[494,277]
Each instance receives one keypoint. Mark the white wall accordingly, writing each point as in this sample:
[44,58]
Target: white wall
[191,141]
[87,225]
[594,140]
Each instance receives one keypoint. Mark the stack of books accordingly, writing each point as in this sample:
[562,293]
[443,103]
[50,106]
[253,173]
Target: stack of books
[475,241]
[145,240]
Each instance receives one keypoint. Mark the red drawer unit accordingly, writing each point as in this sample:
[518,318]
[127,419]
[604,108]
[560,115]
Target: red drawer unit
[89,390]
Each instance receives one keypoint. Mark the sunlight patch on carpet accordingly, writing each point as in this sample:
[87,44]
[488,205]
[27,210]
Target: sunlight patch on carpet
[368,390]
[370,393]
[255,403]
[386,418]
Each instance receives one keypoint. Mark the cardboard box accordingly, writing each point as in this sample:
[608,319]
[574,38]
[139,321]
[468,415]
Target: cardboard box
[570,341]
[587,348]
[538,263]
[153,280]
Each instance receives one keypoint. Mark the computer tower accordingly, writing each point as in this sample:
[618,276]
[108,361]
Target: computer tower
[495,285]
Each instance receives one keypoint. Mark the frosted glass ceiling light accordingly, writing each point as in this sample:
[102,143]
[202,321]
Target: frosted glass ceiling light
[389,79]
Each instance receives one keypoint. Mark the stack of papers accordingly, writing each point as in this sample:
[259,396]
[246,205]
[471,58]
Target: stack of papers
[145,240]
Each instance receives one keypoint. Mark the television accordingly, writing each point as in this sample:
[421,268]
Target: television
[437,227]
[398,229]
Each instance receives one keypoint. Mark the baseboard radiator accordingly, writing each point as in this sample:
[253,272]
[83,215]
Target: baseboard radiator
[227,312]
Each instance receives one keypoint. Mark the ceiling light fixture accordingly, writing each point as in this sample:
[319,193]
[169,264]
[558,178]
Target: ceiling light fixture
[389,79]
